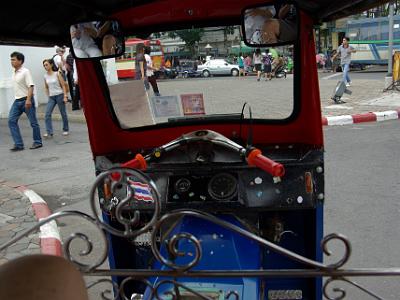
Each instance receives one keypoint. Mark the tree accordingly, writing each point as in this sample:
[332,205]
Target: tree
[382,10]
[228,30]
[189,36]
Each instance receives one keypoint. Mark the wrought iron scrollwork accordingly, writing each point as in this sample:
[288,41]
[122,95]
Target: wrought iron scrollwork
[66,245]
[347,252]
[176,292]
[106,294]
[341,292]
[118,201]
[274,247]
[117,179]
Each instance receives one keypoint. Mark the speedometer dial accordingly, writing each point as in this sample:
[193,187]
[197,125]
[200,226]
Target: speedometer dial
[182,185]
[222,186]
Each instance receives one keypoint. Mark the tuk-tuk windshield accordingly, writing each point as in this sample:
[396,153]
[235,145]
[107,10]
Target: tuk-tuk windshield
[199,74]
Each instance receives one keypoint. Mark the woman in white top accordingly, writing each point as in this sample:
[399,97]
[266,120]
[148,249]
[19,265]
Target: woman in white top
[257,60]
[56,91]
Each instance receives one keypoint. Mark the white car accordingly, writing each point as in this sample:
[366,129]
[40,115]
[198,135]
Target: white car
[217,67]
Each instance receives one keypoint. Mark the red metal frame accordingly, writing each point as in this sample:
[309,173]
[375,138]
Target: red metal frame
[105,135]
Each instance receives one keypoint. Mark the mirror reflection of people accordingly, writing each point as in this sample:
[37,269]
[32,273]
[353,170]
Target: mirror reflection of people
[109,45]
[254,21]
[82,36]
[267,27]
[282,29]
[106,38]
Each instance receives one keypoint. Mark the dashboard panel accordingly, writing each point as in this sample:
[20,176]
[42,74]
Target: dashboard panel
[229,184]
[230,187]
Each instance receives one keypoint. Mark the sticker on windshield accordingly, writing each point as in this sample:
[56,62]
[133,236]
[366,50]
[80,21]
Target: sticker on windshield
[193,104]
[165,106]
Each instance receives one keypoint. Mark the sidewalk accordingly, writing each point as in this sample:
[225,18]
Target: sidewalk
[367,96]
[21,209]
[16,215]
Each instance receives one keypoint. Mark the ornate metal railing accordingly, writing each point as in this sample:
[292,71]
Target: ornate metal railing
[334,272]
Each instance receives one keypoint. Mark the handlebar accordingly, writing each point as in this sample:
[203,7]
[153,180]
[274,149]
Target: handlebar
[255,158]
[139,162]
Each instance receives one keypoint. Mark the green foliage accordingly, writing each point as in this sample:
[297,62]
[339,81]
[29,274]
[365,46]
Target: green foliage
[189,36]
[229,30]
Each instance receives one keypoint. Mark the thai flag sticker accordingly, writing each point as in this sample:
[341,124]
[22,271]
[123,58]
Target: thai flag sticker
[142,191]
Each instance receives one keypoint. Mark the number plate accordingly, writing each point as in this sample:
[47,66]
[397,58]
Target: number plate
[285,294]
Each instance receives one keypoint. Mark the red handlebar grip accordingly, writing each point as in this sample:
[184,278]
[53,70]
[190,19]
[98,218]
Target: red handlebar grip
[137,163]
[255,158]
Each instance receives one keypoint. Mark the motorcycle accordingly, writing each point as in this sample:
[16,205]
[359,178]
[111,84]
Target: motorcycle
[280,71]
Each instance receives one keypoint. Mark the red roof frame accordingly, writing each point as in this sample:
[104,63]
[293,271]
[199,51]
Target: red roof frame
[105,135]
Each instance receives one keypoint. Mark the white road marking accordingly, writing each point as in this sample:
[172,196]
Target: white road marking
[49,230]
[338,107]
[386,115]
[331,76]
[340,120]
[33,197]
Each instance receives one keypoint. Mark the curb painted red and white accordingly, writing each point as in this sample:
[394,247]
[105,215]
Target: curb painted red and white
[361,118]
[50,240]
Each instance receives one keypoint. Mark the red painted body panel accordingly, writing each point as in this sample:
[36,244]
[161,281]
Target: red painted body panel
[105,135]
[130,73]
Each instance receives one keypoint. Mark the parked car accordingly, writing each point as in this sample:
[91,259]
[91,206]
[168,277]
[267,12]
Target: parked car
[217,67]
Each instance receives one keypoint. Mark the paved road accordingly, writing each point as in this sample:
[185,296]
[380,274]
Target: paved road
[362,187]
[59,172]
[362,197]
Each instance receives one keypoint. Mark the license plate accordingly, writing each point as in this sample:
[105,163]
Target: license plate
[285,294]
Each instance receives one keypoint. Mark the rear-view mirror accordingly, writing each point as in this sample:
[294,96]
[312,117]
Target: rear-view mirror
[272,24]
[97,39]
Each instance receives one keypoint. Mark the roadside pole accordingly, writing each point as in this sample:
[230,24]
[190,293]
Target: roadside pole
[389,75]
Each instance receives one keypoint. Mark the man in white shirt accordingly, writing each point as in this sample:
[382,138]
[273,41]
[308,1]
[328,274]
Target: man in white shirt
[150,71]
[24,103]
[59,59]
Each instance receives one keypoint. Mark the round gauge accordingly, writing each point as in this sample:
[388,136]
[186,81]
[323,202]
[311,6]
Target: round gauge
[222,186]
[182,185]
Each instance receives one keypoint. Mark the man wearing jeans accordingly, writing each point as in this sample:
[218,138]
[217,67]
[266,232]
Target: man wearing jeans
[345,51]
[24,103]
